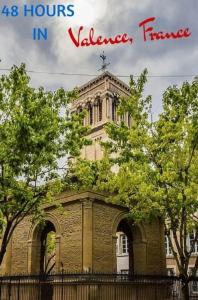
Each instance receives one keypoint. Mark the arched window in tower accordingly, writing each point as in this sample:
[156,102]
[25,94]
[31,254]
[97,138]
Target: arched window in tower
[114,108]
[90,112]
[99,110]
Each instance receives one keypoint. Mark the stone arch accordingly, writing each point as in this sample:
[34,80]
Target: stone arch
[137,243]
[139,229]
[34,244]
[98,104]
[90,113]
[114,107]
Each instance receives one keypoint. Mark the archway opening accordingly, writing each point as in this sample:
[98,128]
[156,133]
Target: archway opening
[124,247]
[44,248]
[47,248]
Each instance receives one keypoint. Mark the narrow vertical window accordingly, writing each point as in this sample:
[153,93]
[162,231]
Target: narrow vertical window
[100,110]
[124,244]
[192,243]
[90,111]
[114,110]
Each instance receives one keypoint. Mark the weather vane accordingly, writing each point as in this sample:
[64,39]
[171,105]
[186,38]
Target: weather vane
[104,63]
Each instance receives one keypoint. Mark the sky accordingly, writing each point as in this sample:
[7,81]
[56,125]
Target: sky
[108,18]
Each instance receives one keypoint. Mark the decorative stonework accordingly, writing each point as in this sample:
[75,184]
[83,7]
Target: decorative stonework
[99,97]
[86,238]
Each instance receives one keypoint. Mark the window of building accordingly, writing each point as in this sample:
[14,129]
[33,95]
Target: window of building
[114,109]
[168,249]
[122,247]
[90,111]
[191,239]
[124,244]
[99,110]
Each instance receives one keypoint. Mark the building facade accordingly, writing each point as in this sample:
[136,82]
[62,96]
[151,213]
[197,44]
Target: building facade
[171,265]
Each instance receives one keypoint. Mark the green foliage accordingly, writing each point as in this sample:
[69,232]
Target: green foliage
[89,175]
[51,243]
[158,162]
[36,130]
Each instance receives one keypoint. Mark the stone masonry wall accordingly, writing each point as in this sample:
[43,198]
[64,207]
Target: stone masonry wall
[85,239]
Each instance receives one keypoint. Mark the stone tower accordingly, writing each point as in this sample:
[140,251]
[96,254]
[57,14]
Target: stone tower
[100,97]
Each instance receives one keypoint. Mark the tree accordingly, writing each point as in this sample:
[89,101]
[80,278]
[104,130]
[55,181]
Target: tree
[160,161]
[36,131]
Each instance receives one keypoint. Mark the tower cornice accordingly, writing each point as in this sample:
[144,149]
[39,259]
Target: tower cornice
[106,75]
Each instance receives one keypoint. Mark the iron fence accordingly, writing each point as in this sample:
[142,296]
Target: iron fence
[89,286]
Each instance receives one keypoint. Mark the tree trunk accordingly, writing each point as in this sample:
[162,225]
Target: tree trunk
[5,241]
[185,291]
[1,257]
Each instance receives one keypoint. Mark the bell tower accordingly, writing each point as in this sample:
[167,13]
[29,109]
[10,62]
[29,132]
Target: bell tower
[100,97]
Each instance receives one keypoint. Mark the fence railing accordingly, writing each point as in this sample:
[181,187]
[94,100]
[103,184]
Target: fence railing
[89,286]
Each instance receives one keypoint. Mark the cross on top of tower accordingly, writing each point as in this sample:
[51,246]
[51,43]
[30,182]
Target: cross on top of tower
[104,63]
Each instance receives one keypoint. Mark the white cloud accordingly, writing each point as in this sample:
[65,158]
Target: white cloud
[110,17]
[89,12]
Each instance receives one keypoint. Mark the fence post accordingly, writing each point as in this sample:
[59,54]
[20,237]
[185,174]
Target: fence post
[40,287]
[89,286]
[18,290]
[156,287]
[9,288]
[137,293]
[62,284]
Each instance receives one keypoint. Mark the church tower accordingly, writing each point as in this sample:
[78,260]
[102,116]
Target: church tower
[100,98]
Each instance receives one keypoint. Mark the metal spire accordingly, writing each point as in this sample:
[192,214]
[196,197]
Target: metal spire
[104,63]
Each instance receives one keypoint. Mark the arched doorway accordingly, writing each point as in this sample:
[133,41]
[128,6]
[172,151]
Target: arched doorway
[48,248]
[44,248]
[129,246]
[124,247]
